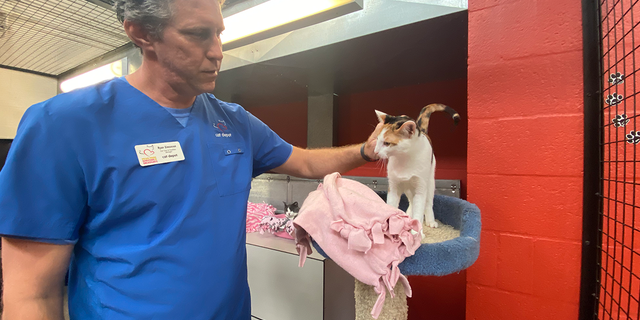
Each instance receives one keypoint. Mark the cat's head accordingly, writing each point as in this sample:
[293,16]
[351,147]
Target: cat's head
[293,207]
[291,210]
[396,135]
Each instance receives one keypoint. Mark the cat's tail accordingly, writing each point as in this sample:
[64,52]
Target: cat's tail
[425,114]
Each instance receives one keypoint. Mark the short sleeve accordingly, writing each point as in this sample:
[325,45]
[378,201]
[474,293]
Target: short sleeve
[42,192]
[269,150]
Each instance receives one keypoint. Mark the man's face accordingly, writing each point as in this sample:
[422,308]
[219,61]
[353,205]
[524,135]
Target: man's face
[190,51]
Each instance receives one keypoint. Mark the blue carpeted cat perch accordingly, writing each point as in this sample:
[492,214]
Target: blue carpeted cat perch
[439,259]
[450,256]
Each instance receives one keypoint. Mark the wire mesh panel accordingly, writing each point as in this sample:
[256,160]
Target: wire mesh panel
[53,36]
[619,244]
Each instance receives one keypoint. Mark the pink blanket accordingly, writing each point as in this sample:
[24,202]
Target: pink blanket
[360,232]
[256,212]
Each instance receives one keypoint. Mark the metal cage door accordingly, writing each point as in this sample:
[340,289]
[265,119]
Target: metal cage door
[611,247]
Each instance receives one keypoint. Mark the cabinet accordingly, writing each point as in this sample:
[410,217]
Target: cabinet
[280,290]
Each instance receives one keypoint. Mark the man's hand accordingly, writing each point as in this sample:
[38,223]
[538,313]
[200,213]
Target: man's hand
[370,146]
[33,274]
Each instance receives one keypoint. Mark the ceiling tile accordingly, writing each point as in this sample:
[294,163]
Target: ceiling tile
[53,36]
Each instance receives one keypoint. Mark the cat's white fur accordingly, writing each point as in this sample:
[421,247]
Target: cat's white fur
[410,170]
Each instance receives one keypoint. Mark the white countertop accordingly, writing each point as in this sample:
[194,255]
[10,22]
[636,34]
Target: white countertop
[272,242]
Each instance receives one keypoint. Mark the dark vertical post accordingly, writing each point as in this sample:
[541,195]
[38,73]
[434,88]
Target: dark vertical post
[589,288]
[321,111]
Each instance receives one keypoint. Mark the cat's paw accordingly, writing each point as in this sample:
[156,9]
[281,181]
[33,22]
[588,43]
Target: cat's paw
[432,224]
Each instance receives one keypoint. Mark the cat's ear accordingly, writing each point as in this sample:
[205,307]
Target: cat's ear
[408,128]
[381,115]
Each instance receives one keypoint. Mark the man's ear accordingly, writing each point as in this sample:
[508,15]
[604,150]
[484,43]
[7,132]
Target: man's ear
[138,35]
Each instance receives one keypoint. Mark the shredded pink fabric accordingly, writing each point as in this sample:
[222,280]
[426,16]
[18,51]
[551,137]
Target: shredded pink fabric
[360,232]
[278,225]
[255,213]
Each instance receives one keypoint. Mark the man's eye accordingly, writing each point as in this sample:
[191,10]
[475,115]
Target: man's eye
[203,35]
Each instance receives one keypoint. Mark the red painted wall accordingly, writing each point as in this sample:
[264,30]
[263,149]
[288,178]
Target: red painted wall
[356,120]
[525,157]
[289,121]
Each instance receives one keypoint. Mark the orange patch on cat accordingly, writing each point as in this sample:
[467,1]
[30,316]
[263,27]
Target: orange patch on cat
[391,135]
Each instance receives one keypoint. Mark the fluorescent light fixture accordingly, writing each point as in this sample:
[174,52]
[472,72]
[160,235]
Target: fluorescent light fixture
[106,72]
[275,14]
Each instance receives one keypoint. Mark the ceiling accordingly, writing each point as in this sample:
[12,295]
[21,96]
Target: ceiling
[53,36]
[229,3]
[108,3]
[427,51]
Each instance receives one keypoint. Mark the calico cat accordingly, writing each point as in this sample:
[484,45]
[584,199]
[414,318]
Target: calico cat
[411,163]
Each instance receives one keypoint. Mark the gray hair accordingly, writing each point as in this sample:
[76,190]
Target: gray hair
[152,15]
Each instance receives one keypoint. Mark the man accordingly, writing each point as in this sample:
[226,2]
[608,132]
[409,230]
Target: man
[142,183]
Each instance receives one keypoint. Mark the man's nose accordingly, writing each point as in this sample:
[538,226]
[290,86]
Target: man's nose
[214,52]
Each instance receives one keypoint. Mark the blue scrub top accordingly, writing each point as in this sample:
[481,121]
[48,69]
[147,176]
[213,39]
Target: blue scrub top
[182,115]
[165,241]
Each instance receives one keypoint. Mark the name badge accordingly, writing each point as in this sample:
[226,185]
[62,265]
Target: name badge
[158,153]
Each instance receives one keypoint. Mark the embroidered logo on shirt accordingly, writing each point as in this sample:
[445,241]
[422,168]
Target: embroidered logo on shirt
[222,127]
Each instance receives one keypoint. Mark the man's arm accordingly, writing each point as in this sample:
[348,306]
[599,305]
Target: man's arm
[316,163]
[33,274]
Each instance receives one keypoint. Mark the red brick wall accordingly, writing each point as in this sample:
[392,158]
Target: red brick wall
[525,148]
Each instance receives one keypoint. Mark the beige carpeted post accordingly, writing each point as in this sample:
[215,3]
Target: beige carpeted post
[396,308]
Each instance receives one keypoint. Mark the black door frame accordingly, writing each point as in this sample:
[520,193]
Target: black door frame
[592,220]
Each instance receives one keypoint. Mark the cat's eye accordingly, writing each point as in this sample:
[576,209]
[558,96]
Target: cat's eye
[386,144]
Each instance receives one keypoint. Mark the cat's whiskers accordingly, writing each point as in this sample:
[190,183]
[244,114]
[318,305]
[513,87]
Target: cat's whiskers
[382,165]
